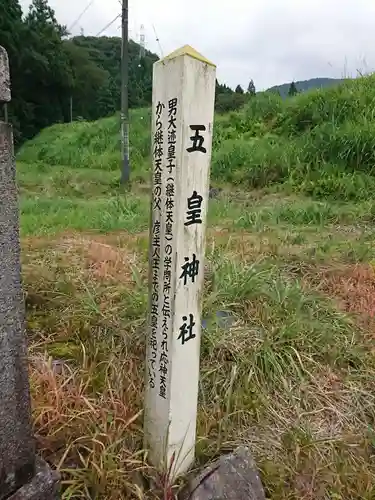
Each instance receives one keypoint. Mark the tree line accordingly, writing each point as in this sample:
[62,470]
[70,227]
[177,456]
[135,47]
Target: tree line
[57,78]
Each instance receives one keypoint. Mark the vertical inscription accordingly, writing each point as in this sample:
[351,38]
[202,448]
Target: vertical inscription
[169,221]
[192,216]
[163,244]
[158,152]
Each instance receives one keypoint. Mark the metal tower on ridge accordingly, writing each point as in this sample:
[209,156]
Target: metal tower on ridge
[142,41]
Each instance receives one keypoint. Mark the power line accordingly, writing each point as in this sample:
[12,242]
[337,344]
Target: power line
[108,25]
[158,41]
[142,42]
[81,14]
[125,161]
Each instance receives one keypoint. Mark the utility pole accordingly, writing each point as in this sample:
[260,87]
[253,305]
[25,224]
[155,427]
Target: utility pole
[142,43]
[125,163]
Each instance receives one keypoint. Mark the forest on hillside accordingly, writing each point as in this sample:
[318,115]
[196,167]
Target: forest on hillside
[302,86]
[56,78]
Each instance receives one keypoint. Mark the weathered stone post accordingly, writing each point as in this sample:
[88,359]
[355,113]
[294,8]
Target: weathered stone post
[21,475]
[182,125]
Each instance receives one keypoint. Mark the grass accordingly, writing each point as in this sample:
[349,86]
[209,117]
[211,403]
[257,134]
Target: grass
[289,252]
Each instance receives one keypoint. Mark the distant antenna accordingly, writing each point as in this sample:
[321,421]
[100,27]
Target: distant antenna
[142,41]
[82,31]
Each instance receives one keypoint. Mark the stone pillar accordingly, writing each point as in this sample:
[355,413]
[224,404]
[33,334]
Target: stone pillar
[18,467]
[182,125]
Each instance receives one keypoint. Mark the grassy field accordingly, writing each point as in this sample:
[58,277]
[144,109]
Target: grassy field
[291,253]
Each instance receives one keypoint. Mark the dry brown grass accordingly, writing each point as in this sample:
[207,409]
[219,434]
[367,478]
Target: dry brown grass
[87,357]
[354,287]
[90,433]
[291,378]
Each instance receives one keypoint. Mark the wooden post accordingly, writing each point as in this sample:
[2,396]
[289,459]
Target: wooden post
[182,123]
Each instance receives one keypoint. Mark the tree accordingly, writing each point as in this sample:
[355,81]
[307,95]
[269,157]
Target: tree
[239,89]
[229,102]
[49,70]
[12,34]
[11,27]
[48,78]
[91,89]
[251,88]
[105,53]
[292,90]
[221,88]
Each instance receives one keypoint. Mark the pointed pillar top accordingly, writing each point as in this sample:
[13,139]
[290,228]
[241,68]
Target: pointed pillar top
[187,50]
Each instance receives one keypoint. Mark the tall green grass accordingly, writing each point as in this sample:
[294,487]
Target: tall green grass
[91,145]
[321,143]
[42,216]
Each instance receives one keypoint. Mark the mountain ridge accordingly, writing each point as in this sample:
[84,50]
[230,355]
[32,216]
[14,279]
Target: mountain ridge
[304,85]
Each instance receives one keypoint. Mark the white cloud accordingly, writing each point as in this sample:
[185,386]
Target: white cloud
[271,41]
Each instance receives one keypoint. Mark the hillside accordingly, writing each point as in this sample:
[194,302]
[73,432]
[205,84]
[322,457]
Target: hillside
[105,52]
[318,142]
[55,79]
[304,85]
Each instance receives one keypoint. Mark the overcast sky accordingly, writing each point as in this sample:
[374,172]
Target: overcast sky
[270,41]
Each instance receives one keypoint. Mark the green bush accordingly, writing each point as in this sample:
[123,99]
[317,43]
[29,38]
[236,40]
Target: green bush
[90,144]
[254,162]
